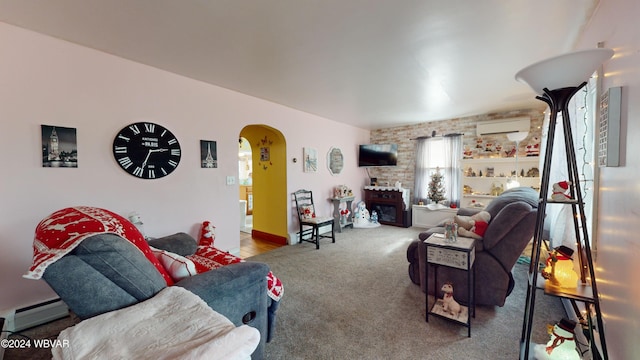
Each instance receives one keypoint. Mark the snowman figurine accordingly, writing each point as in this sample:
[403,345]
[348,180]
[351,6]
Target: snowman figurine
[374,217]
[562,344]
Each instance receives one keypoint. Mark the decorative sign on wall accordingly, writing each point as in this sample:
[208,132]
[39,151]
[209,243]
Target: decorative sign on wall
[310,163]
[335,161]
[59,147]
[609,139]
[208,154]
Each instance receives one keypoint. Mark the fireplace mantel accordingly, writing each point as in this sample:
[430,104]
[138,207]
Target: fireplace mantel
[390,203]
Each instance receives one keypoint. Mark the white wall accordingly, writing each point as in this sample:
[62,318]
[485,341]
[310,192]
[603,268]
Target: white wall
[615,23]
[48,81]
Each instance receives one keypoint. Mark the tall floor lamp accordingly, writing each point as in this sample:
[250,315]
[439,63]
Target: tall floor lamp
[556,80]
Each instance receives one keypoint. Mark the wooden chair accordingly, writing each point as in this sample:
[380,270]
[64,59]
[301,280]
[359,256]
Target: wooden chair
[310,223]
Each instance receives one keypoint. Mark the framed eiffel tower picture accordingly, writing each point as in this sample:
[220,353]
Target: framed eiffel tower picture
[208,154]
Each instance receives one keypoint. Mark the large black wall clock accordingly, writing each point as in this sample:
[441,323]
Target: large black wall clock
[146,150]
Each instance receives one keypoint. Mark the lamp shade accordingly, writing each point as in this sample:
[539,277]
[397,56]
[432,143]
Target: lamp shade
[563,71]
[517,136]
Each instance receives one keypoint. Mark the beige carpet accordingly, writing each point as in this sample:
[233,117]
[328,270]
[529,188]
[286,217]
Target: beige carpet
[354,300]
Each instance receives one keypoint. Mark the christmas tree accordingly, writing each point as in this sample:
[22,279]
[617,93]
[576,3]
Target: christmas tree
[436,188]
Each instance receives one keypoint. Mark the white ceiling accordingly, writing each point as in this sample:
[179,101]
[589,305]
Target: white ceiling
[369,63]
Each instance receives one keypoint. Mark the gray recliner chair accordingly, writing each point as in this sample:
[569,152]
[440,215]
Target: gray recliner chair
[513,220]
[107,272]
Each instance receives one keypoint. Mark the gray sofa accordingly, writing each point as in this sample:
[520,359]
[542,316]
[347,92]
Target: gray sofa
[107,272]
[513,219]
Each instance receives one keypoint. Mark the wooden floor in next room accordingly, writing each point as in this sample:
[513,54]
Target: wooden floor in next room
[250,246]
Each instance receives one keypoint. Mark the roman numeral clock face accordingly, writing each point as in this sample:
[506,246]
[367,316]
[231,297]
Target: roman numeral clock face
[146,150]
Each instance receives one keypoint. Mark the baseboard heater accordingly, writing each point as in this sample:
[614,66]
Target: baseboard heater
[38,314]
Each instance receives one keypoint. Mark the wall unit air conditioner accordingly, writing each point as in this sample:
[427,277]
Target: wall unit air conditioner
[503,126]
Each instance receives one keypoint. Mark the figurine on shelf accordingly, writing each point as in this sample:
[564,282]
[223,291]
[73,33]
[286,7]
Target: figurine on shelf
[511,153]
[344,215]
[488,147]
[559,268]
[497,189]
[533,148]
[560,191]
[562,343]
[467,153]
[341,191]
[449,304]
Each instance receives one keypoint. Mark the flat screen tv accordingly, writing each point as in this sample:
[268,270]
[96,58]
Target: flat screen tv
[378,155]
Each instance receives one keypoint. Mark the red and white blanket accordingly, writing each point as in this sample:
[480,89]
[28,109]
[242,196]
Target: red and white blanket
[61,232]
[208,257]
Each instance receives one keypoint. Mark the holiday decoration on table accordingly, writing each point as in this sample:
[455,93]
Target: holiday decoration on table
[436,187]
[451,231]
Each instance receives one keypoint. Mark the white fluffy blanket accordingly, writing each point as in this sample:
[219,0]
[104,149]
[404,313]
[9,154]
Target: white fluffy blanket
[174,324]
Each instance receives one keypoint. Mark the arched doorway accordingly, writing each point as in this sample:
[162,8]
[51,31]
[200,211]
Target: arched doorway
[268,168]
[245,183]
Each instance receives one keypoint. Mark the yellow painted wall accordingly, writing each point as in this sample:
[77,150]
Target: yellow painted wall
[269,179]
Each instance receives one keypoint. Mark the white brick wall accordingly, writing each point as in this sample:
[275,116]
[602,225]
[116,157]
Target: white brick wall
[402,136]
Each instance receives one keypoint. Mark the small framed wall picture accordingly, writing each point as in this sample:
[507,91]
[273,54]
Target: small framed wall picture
[208,154]
[59,146]
[264,153]
[310,163]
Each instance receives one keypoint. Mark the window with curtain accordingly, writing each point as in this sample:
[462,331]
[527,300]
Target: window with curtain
[439,154]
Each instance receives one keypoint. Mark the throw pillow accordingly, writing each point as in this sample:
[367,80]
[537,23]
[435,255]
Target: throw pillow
[307,211]
[179,267]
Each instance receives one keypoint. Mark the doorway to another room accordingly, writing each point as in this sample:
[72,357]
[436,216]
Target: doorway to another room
[262,189]
[245,184]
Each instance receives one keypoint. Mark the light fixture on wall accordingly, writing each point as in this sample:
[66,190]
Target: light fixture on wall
[517,137]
